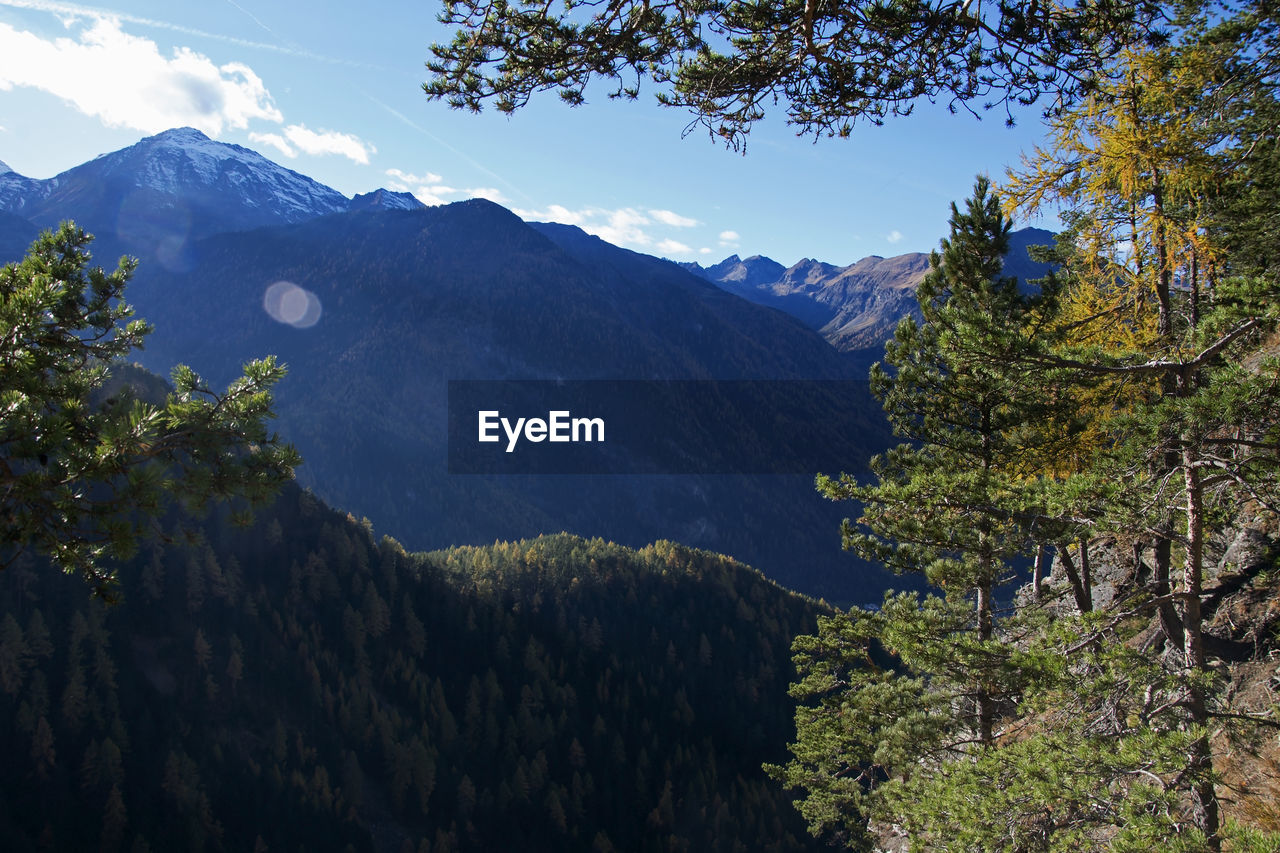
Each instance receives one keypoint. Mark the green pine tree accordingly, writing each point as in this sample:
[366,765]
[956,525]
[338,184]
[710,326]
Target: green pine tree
[920,685]
[83,463]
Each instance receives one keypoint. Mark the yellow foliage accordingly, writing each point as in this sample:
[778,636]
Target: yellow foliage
[1132,168]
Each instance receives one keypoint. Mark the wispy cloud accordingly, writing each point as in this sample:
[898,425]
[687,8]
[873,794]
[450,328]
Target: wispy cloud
[894,236]
[124,81]
[493,194]
[623,226]
[675,220]
[430,189]
[729,239]
[298,137]
[407,177]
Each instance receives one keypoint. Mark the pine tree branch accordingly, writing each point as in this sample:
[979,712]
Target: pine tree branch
[1161,366]
[1270,722]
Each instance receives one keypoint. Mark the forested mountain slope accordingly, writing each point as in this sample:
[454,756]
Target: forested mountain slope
[299,685]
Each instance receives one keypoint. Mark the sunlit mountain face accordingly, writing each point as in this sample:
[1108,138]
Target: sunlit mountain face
[376,303]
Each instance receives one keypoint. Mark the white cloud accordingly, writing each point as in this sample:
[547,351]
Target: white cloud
[729,239]
[894,236]
[704,251]
[492,194]
[557,213]
[124,80]
[675,220]
[623,226]
[276,141]
[409,178]
[674,247]
[429,188]
[431,199]
[560,213]
[631,227]
[431,194]
[310,141]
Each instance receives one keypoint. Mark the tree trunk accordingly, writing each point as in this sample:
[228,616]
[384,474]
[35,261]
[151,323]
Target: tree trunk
[1086,573]
[1204,797]
[986,705]
[1195,289]
[1164,274]
[1037,572]
[1084,602]
[1170,624]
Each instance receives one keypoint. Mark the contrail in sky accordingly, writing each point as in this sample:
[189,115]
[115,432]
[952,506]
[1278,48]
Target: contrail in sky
[251,16]
[413,124]
[57,8]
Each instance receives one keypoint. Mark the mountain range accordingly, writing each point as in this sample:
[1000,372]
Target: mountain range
[400,299]
[856,307]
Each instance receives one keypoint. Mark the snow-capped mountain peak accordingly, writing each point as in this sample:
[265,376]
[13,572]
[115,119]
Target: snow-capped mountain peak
[184,159]
[385,199]
[177,184]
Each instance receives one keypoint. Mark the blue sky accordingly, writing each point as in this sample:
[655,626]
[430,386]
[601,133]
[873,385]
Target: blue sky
[333,90]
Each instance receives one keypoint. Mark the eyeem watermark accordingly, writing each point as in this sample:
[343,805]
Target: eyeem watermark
[559,426]
[663,427]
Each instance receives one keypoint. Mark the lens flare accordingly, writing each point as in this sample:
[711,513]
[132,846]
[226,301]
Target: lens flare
[294,306]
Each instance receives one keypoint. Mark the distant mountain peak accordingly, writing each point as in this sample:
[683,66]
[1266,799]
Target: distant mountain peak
[385,199]
[479,203]
[4,168]
[854,307]
[176,158]
[180,135]
[173,186]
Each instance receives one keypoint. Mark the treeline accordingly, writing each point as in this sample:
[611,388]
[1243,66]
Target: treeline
[300,685]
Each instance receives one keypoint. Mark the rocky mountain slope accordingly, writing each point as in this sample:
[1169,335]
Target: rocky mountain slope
[856,307]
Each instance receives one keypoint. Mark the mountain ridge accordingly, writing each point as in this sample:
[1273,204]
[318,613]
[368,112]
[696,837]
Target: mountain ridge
[178,186]
[855,307]
[406,299]
[412,299]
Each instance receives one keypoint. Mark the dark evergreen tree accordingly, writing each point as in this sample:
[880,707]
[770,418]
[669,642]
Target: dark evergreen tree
[951,505]
[84,461]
